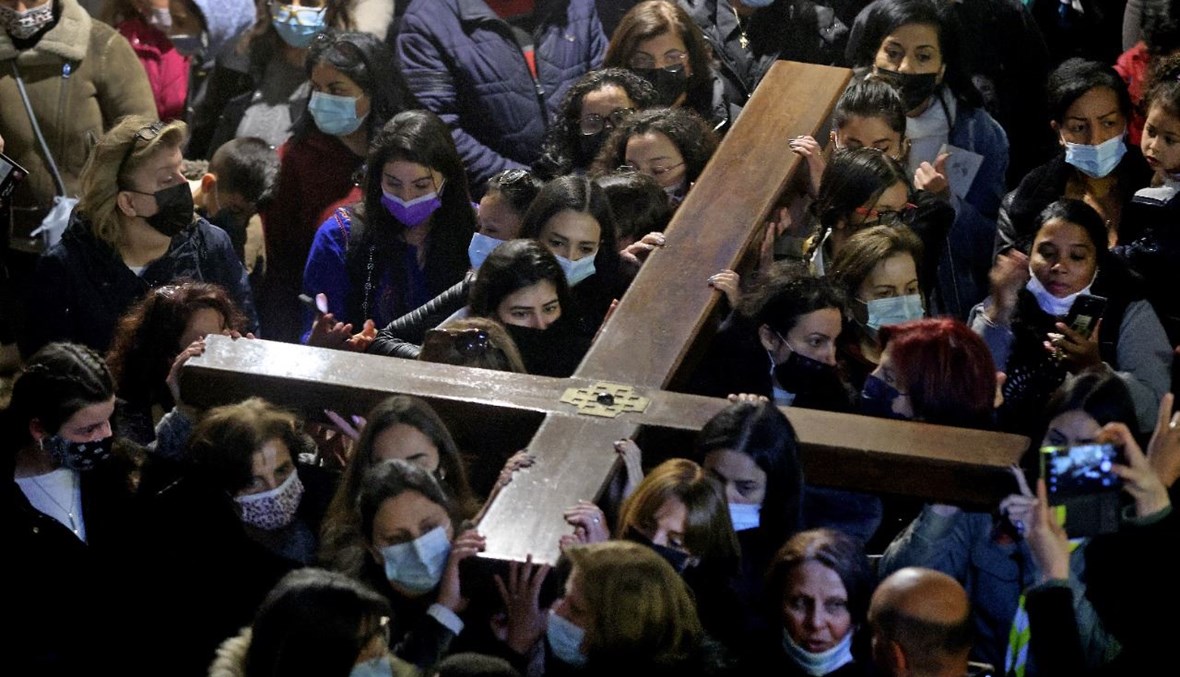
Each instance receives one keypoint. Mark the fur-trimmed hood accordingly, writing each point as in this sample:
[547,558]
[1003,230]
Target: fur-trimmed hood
[68,40]
[230,660]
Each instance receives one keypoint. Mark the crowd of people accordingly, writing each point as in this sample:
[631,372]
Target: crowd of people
[981,238]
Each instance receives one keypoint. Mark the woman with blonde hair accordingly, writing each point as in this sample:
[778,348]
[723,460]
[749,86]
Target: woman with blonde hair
[133,230]
[479,342]
[626,610]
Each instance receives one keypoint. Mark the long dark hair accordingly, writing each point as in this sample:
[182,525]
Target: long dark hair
[854,177]
[886,16]
[314,622]
[369,63]
[417,136]
[562,151]
[577,194]
[763,433]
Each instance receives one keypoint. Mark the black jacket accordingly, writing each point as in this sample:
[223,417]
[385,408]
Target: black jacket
[81,286]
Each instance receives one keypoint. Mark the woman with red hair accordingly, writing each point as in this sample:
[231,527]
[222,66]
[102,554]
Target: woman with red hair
[933,370]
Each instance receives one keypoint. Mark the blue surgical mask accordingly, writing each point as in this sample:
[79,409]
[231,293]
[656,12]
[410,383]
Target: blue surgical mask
[481,245]
[894,310]
[417,566]
[297,25]
[335,115]
[576,271]
[822,663]
[745,516]
[565,639]
[757,4]
[160,18]
[378,667]
[1096,161]
[876,399]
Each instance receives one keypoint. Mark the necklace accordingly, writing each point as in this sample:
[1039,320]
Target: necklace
[742,39]
[73,501]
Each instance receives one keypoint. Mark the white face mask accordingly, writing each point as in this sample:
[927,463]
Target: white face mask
[1053,305]
[745,516]
[819,663]
[481,245]
[576,271]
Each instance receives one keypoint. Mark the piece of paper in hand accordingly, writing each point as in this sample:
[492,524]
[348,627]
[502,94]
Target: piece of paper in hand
[961,168]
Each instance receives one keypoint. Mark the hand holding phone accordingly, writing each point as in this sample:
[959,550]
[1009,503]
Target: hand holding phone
[10,174]
[1084,314]
[1081,478]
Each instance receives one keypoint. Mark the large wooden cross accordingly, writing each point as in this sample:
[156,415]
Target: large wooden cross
[661,322]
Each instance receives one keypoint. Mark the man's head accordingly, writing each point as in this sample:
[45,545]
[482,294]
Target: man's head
[921,624]
[240,179]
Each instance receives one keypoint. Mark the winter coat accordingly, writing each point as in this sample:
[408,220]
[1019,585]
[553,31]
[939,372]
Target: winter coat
[1016,226]
[166,68]
[225,20]
[461,61]
[81,77]
[81,286]
[794,30]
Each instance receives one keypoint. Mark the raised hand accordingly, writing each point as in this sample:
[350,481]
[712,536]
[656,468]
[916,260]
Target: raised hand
[466,545]
[1008,276]
[932,177]
[1047,539]
[173,380]
[521,594]
[1139,478]
[1163,451]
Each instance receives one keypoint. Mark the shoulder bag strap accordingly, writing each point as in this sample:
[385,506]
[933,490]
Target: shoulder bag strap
[20,85]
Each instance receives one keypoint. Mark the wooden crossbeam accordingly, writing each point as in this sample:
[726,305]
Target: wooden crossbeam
[647,344]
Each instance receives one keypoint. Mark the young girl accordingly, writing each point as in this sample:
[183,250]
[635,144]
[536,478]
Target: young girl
[1156,254]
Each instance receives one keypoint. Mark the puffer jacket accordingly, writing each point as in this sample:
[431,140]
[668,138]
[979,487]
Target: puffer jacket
[461,61]
[166,68]
[81,77]
[81,286]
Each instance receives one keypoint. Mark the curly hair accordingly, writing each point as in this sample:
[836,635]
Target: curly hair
[689,132]
[562,151]
[146,339]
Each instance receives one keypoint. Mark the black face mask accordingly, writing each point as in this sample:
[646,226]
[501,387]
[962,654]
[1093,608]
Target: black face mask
[679,560]
[914,88]
[554,351]
[669,83]
[800,374]
[590,144]
[174,209]
[77,455]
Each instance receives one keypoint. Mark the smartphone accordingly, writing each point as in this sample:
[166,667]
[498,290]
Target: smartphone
[10,174]
[1079,470]
[314,305]
[1083,487]
[1085,312]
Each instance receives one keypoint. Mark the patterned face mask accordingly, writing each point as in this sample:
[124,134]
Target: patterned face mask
[26,24]
[272,509]
[78,456]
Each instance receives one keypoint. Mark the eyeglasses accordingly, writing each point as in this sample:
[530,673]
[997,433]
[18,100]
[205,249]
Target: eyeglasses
[303,16]
[466,342]
[658,170]
[674,60]
[145,134]
[595,123]
[887,217]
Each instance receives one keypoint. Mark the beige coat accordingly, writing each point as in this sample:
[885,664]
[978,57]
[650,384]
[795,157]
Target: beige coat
[105,82]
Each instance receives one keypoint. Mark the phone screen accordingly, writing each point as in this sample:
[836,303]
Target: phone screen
[1079,470]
